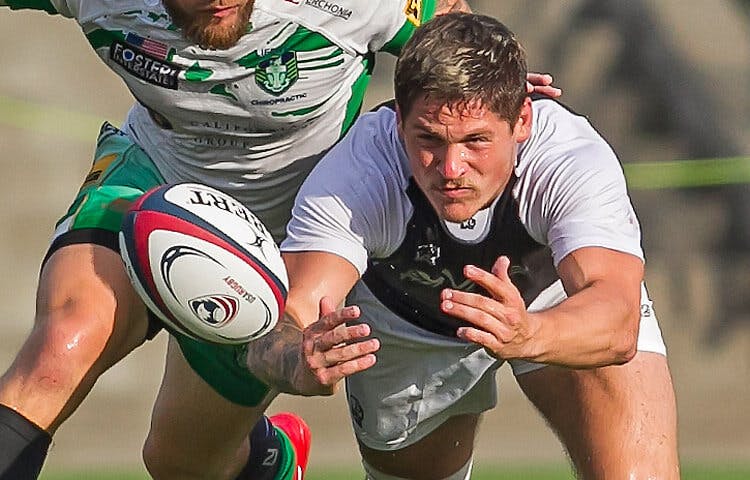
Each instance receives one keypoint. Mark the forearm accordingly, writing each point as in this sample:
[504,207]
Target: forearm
[597,326]
[276,358]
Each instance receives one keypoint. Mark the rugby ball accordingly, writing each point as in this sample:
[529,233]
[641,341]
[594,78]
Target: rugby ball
[203,263]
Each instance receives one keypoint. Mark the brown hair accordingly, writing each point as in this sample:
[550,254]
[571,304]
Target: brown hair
[460,58]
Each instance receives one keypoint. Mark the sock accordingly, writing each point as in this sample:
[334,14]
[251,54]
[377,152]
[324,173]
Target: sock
[271,454]
[23,446]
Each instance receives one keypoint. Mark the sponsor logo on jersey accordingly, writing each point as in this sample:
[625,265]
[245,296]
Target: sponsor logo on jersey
[275,101]
[429,253]
[413,12]
[277,74]
[473,229]
[144,65]
[331,8]
[98,169]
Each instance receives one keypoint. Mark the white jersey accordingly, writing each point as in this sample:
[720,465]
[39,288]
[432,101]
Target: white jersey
[361,203]
[253,119]
[569,188]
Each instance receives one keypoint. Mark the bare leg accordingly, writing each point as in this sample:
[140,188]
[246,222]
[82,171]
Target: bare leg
[195,432]
[88,318]
[438,455]
[617,421]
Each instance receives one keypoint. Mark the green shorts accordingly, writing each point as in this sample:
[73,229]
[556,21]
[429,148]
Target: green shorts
[121,173]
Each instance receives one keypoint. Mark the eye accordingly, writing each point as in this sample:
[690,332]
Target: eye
[476,142]
[478,139]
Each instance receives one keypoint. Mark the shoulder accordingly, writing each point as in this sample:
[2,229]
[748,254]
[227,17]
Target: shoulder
[565,148]
[356,25]
[86,10]
[370,156]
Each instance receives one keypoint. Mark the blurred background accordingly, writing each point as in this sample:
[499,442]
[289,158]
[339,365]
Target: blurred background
[665,81]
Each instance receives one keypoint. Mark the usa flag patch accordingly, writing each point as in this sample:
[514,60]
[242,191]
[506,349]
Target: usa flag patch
[152,47]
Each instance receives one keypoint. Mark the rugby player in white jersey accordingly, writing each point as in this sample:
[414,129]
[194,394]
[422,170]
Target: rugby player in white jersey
[241,95]
[474,225]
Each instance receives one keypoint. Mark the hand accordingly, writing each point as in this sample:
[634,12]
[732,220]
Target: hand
[501,323]
[333,350]
[542,83]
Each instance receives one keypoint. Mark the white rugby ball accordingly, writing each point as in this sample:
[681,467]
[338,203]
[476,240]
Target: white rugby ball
[204,264]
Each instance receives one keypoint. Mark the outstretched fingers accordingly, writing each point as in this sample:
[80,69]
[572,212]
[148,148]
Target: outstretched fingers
[335,350]
[497,283]
[482,312]
[496,318]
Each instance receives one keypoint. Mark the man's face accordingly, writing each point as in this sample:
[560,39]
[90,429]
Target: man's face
[215,24]
[461,157]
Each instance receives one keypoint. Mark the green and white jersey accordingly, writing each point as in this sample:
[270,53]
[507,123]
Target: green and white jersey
[254,119]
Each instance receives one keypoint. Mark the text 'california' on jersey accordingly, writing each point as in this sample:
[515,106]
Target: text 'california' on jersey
[253,119]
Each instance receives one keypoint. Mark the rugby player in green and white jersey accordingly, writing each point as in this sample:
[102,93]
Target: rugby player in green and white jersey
[241,95]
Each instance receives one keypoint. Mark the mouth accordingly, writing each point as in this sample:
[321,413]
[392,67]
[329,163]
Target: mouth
[454,192]
[222,11]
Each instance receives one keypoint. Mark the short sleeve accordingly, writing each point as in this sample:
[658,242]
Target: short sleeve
[571,190]
[350,204]
[53,7]
[416,12]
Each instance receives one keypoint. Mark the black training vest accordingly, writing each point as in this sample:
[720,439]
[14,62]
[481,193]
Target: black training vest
[430,259]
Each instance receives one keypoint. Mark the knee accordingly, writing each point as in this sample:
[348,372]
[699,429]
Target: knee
[165,460]
[71,334]
[63,344]
[159,464]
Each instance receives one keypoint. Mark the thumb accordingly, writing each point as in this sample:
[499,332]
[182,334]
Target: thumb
[327,305]
[501,267]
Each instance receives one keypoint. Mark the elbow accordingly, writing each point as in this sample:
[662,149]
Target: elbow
[624,352]
[624,343]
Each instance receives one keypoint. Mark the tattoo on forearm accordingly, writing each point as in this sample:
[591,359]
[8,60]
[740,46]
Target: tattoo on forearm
[275,357]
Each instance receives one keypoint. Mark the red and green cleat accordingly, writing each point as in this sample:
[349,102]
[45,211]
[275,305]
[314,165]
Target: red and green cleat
[299,435]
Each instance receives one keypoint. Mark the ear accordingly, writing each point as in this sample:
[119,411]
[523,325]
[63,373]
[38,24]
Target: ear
[399,122]
[522,128]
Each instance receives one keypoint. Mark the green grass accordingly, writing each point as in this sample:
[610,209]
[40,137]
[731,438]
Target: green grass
[693,472]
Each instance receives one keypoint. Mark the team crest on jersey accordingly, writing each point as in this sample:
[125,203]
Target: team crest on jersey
[278,73]
[413,12]
[428,253]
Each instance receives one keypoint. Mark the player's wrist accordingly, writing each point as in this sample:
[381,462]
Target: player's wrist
[542,336]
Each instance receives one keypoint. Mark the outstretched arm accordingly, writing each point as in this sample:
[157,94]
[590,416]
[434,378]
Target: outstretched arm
[311,349]
[596,325]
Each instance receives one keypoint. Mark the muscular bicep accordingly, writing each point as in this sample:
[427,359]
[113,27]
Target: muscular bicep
[446,6]
[312,276]
[621,273]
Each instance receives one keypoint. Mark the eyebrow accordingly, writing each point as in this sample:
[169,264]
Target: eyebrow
[438,133]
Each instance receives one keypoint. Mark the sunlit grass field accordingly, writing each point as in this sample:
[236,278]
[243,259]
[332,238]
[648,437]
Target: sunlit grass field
[516,473]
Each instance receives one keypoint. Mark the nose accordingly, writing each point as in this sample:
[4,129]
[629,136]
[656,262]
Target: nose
[453,164]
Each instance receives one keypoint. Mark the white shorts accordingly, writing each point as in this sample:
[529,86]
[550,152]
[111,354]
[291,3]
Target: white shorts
[421,378]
